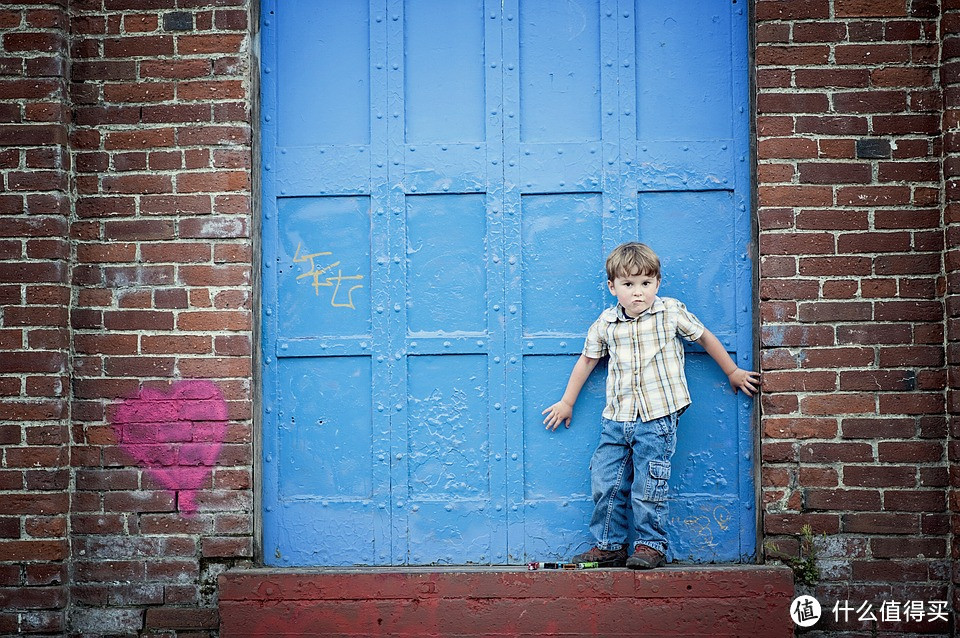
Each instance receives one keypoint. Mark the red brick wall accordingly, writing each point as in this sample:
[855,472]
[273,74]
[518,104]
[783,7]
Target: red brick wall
[950,80]
[34,329]
[162,321]
[125,164]
[852,338]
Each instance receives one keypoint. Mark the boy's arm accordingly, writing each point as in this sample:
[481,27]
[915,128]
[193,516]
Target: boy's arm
[739,379]
[562,410]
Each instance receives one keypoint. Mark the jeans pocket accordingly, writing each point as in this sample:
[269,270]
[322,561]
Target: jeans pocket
[655,487]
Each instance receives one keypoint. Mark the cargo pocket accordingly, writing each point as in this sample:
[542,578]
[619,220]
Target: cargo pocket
[656,485]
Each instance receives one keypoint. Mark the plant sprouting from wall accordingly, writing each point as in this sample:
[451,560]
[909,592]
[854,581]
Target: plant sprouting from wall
[804,564]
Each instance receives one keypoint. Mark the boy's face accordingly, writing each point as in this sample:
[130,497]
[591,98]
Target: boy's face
[636,292]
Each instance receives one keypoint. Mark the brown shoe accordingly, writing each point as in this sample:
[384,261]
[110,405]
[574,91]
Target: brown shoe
[646,558]
[603,557]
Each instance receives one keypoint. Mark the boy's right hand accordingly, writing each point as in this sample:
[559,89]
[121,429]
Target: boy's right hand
[558,413]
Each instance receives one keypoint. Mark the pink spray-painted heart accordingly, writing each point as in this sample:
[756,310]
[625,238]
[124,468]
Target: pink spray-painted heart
[176,437]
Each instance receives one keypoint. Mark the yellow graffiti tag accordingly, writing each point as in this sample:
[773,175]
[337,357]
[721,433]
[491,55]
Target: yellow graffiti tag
[333,281]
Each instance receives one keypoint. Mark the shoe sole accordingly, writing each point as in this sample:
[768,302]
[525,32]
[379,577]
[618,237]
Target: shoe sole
[640,565]
[601,563]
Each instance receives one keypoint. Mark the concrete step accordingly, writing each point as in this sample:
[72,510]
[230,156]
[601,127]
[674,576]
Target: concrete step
[462,602]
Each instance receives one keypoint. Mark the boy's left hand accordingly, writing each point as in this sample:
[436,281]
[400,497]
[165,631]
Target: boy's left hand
[749,382]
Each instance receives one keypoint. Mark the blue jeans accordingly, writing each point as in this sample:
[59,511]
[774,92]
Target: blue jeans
[632,465]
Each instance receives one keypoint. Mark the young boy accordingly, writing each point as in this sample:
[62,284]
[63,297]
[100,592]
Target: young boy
[646,393]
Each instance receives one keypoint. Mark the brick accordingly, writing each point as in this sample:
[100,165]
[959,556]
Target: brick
[138,46]
[799,428]
[143,92]
[915,403]
[227,547]
[214,321]
[138,184]
[833,77]
[909,451]
[181,618]
[213,182]
[33,550]
[914,500]
[873,242]
[138,320]
[175,114]
[211,90]
[908,264]
[880,523]
[905,124]
[879,476]
[835,311]
[805,243]
[175,69]
[792,55]
[841,500]
[213,227]
[835,173]
[839,403]
[802,103]
[141,138]
[872,54]
[794,10]
[908,547]
[908,311]
[880,380]
[789,289]
[836,452]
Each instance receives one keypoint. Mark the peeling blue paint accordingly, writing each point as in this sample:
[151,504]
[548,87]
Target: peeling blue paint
[445,181]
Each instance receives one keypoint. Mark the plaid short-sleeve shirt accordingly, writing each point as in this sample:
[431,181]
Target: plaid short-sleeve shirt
[645,376]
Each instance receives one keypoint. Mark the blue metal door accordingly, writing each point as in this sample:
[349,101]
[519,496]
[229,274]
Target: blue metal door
[441,183]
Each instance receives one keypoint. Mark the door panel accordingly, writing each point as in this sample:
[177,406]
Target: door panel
[442,182]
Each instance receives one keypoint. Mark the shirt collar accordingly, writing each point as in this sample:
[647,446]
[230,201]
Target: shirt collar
[617,313]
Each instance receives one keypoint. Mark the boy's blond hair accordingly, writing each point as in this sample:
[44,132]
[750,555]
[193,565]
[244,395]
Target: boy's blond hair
[632,258]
